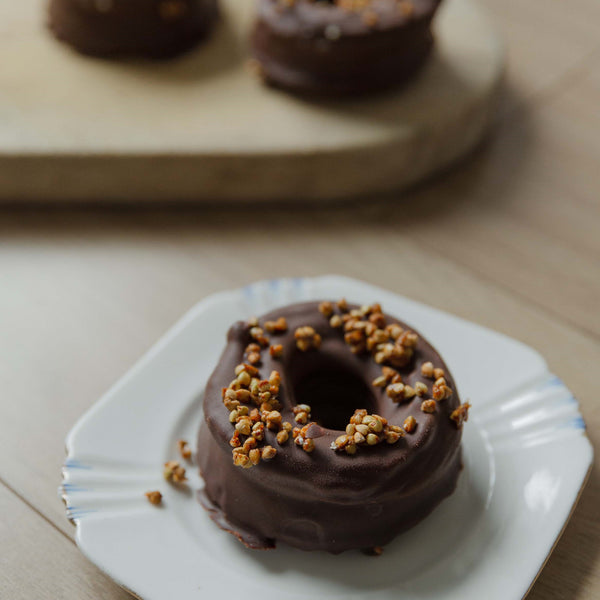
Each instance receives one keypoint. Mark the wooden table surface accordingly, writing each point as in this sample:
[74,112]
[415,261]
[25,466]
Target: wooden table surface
[509,239]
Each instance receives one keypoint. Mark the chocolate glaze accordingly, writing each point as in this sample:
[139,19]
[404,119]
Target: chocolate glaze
[152,28]
[321,48]
[327,500]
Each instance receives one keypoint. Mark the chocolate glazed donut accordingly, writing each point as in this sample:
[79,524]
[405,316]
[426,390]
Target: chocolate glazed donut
[151,28]
[342,47]
[319,490]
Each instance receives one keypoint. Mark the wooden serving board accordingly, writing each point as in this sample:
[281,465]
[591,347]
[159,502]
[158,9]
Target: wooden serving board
[202,127]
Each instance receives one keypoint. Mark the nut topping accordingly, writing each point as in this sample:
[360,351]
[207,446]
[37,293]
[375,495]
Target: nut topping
[428,406]
[461,414]
[184,449]
[174,472]
[410,424]
[154,497]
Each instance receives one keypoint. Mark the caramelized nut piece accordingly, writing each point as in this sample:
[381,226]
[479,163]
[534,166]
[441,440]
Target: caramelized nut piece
[256,332]
[461,414]
[359,438]
[241,460]
[249,348]
[340,442]
[428,406]
[378,319]
[336,321]
[254,456]
[326,309]
[380,381]
[408,339]
[244,378]
[303,345]
[350,448]
[391,437]
[395,391]
[308,445]
[278,326]
[268,452]
[394,331]
[427,370]
[282,437]
[376,425]
[437,373]
[307,338]
[258,431]
[243,395]
[372,439]
[364,429]
[249,444]
[301,418]
[343,305]
[174,472]
[154,497]
[244,426]
[276,351]
[410,424]
[420,388]
[409,392]
[254,358]
[441,391]
[251,370]
[273,420]
[184,449]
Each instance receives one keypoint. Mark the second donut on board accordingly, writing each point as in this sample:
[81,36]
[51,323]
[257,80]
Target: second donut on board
[118,28]
[342,47]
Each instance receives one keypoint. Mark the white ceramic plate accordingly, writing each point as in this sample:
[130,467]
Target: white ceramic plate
[525,450]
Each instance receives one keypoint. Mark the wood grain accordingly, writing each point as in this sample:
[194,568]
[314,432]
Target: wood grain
[527,211]
[545,42]
[78,267]
[37,561]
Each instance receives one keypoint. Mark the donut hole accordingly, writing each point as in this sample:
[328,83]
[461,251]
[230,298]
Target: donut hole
[333,391]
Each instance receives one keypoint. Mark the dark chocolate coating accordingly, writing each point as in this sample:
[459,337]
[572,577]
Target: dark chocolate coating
[320,48]
[327,500]
[116,28]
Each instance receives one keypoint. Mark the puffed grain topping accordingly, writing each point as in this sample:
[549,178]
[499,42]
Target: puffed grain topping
[428,406]
[366,430]
[307,338]
[410,424]
[276,351]
[278,326]
[154,497]
[326,309]
[461,414]
[367,332]
[174,472]
[184,449]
